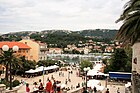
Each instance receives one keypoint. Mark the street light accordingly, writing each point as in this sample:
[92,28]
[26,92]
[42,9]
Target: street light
[86,70]
[6,48]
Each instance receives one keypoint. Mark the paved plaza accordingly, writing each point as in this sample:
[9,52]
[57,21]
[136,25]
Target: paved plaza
[74,82]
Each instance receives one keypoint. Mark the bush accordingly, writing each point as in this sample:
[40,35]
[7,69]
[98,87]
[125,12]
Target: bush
[15,83]
[3,81]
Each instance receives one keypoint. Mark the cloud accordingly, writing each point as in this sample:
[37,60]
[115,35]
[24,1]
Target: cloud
[17,15]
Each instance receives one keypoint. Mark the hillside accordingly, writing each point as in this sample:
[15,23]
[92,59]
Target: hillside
[62,37]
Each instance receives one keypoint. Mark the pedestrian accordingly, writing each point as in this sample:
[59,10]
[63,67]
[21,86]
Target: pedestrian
[66,81]
[27,88]
[90,90]
[40,82]
[49,86]
[84,90]
[95,90]
[118,90]
[35,88]
[107,91]
[40,88]
[54,86]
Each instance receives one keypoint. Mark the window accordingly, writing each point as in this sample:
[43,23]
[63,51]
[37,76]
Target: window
[135,60]
[27,51]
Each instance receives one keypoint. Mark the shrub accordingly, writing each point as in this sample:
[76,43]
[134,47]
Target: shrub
[3,81]
[15,83]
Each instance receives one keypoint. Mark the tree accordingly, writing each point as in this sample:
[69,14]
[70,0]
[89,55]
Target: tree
[130,30]
[119,62]
[6,57]
[26,65]
[85,64]
[47,62]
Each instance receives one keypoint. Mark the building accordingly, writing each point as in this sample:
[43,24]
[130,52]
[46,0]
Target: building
[24,50]
[136,68]
[109,49]
[55,51]
[38,49]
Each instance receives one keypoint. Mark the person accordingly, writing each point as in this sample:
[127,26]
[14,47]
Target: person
[27,88]
[84,90]
[35,88]
[95,90]
[54,86]
[40,88]
[66,81]
[118,90]
[49,86]
[58,89]
[107,91]
[90,90]
[40,82]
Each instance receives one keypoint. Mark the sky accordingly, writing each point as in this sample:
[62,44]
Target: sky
[38,15]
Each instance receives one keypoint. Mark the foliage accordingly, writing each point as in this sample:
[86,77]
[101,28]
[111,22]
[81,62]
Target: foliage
[7,83]
[16,83]
[128,51]
[130,30]
[8,57]
[85,64]
[63,37]
[26,65]
[47,63]
[119,62]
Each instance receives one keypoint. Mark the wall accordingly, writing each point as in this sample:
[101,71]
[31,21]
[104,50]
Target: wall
[34,51]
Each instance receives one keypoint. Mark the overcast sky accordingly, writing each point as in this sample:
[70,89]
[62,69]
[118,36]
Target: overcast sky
[37,15]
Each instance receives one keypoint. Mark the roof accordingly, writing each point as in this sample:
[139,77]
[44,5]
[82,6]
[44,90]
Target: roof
[121,72]
[11,44]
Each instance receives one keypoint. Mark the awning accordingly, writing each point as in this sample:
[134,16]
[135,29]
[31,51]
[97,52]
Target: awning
[119,75]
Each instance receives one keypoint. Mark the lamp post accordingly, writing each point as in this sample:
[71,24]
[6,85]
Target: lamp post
[6,48]
[86,70]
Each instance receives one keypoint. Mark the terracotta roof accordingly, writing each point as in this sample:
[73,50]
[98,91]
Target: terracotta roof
[11,44]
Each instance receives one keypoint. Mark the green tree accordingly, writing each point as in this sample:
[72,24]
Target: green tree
[26,65]
[130,30]
[128,66]
[118,61]
[85,63]
[8,57]
[47,62]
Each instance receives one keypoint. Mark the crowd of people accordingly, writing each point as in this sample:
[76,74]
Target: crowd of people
[50,87]
[53,86]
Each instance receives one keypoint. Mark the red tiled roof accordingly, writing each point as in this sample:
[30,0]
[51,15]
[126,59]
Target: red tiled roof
[11,44]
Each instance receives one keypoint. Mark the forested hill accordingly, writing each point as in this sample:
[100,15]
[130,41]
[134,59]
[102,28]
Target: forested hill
[62,37]
[97,33]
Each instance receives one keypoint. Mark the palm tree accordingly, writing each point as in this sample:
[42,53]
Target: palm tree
[6,57]
[129,32]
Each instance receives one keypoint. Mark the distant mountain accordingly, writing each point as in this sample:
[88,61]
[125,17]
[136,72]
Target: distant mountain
[62,37]
[97,33]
